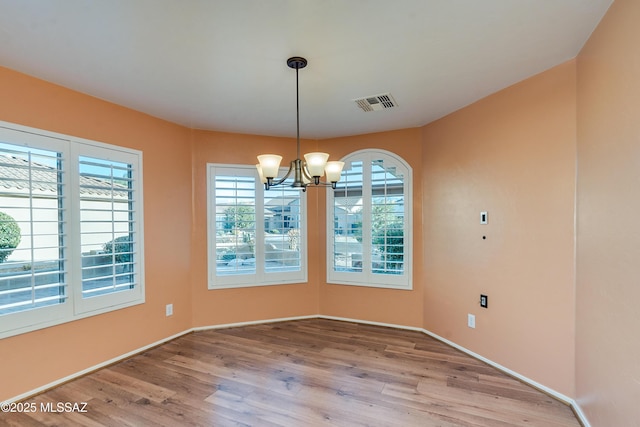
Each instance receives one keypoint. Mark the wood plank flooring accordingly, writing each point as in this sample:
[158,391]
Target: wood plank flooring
[312,372]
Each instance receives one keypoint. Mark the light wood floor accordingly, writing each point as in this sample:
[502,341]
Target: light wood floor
[301,373]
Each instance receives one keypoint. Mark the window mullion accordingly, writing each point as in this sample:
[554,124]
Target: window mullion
[31,231]
[63,238]
[259,232]
[367,223]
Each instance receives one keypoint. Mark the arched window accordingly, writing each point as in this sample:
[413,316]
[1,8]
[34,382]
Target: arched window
[369,222]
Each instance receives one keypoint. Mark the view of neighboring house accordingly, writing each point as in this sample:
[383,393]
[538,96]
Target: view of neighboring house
[238,226]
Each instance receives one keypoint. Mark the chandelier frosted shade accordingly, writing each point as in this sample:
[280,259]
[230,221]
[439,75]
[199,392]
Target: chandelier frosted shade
[315,163]
[333,170]
[269,165]
[263,179]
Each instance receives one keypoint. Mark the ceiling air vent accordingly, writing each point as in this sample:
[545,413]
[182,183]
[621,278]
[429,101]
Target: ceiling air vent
[376,102]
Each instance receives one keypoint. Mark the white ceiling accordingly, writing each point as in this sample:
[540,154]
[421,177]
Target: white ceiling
[221,64]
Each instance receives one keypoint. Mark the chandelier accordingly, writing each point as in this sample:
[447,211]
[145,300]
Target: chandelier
[306,173]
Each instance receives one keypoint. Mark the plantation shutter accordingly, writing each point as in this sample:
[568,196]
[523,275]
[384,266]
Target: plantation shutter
[369,222]
[256,236]
[235,224]
[107,237]
[33,268]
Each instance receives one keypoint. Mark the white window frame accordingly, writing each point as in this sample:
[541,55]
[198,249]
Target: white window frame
[261,277]
[75,307]
[367,277]
[122,298]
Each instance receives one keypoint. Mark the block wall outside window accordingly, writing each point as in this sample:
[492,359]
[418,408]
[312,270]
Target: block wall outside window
[72,232]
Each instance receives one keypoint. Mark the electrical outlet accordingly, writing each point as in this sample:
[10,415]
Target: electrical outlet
[471,320]
[484,301]
[169,310]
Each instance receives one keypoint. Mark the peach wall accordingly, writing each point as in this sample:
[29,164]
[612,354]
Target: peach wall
[511,154]
[373,304]
[34,359]
[608,237]
[223,306]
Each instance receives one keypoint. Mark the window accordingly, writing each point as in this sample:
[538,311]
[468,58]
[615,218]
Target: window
[108,203]
[70,216]
[369,222]
[256,236]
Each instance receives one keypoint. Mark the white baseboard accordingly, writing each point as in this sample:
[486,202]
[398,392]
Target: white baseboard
[581,416]
[117,359]
[78,374]
[559,396]
[254,322]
